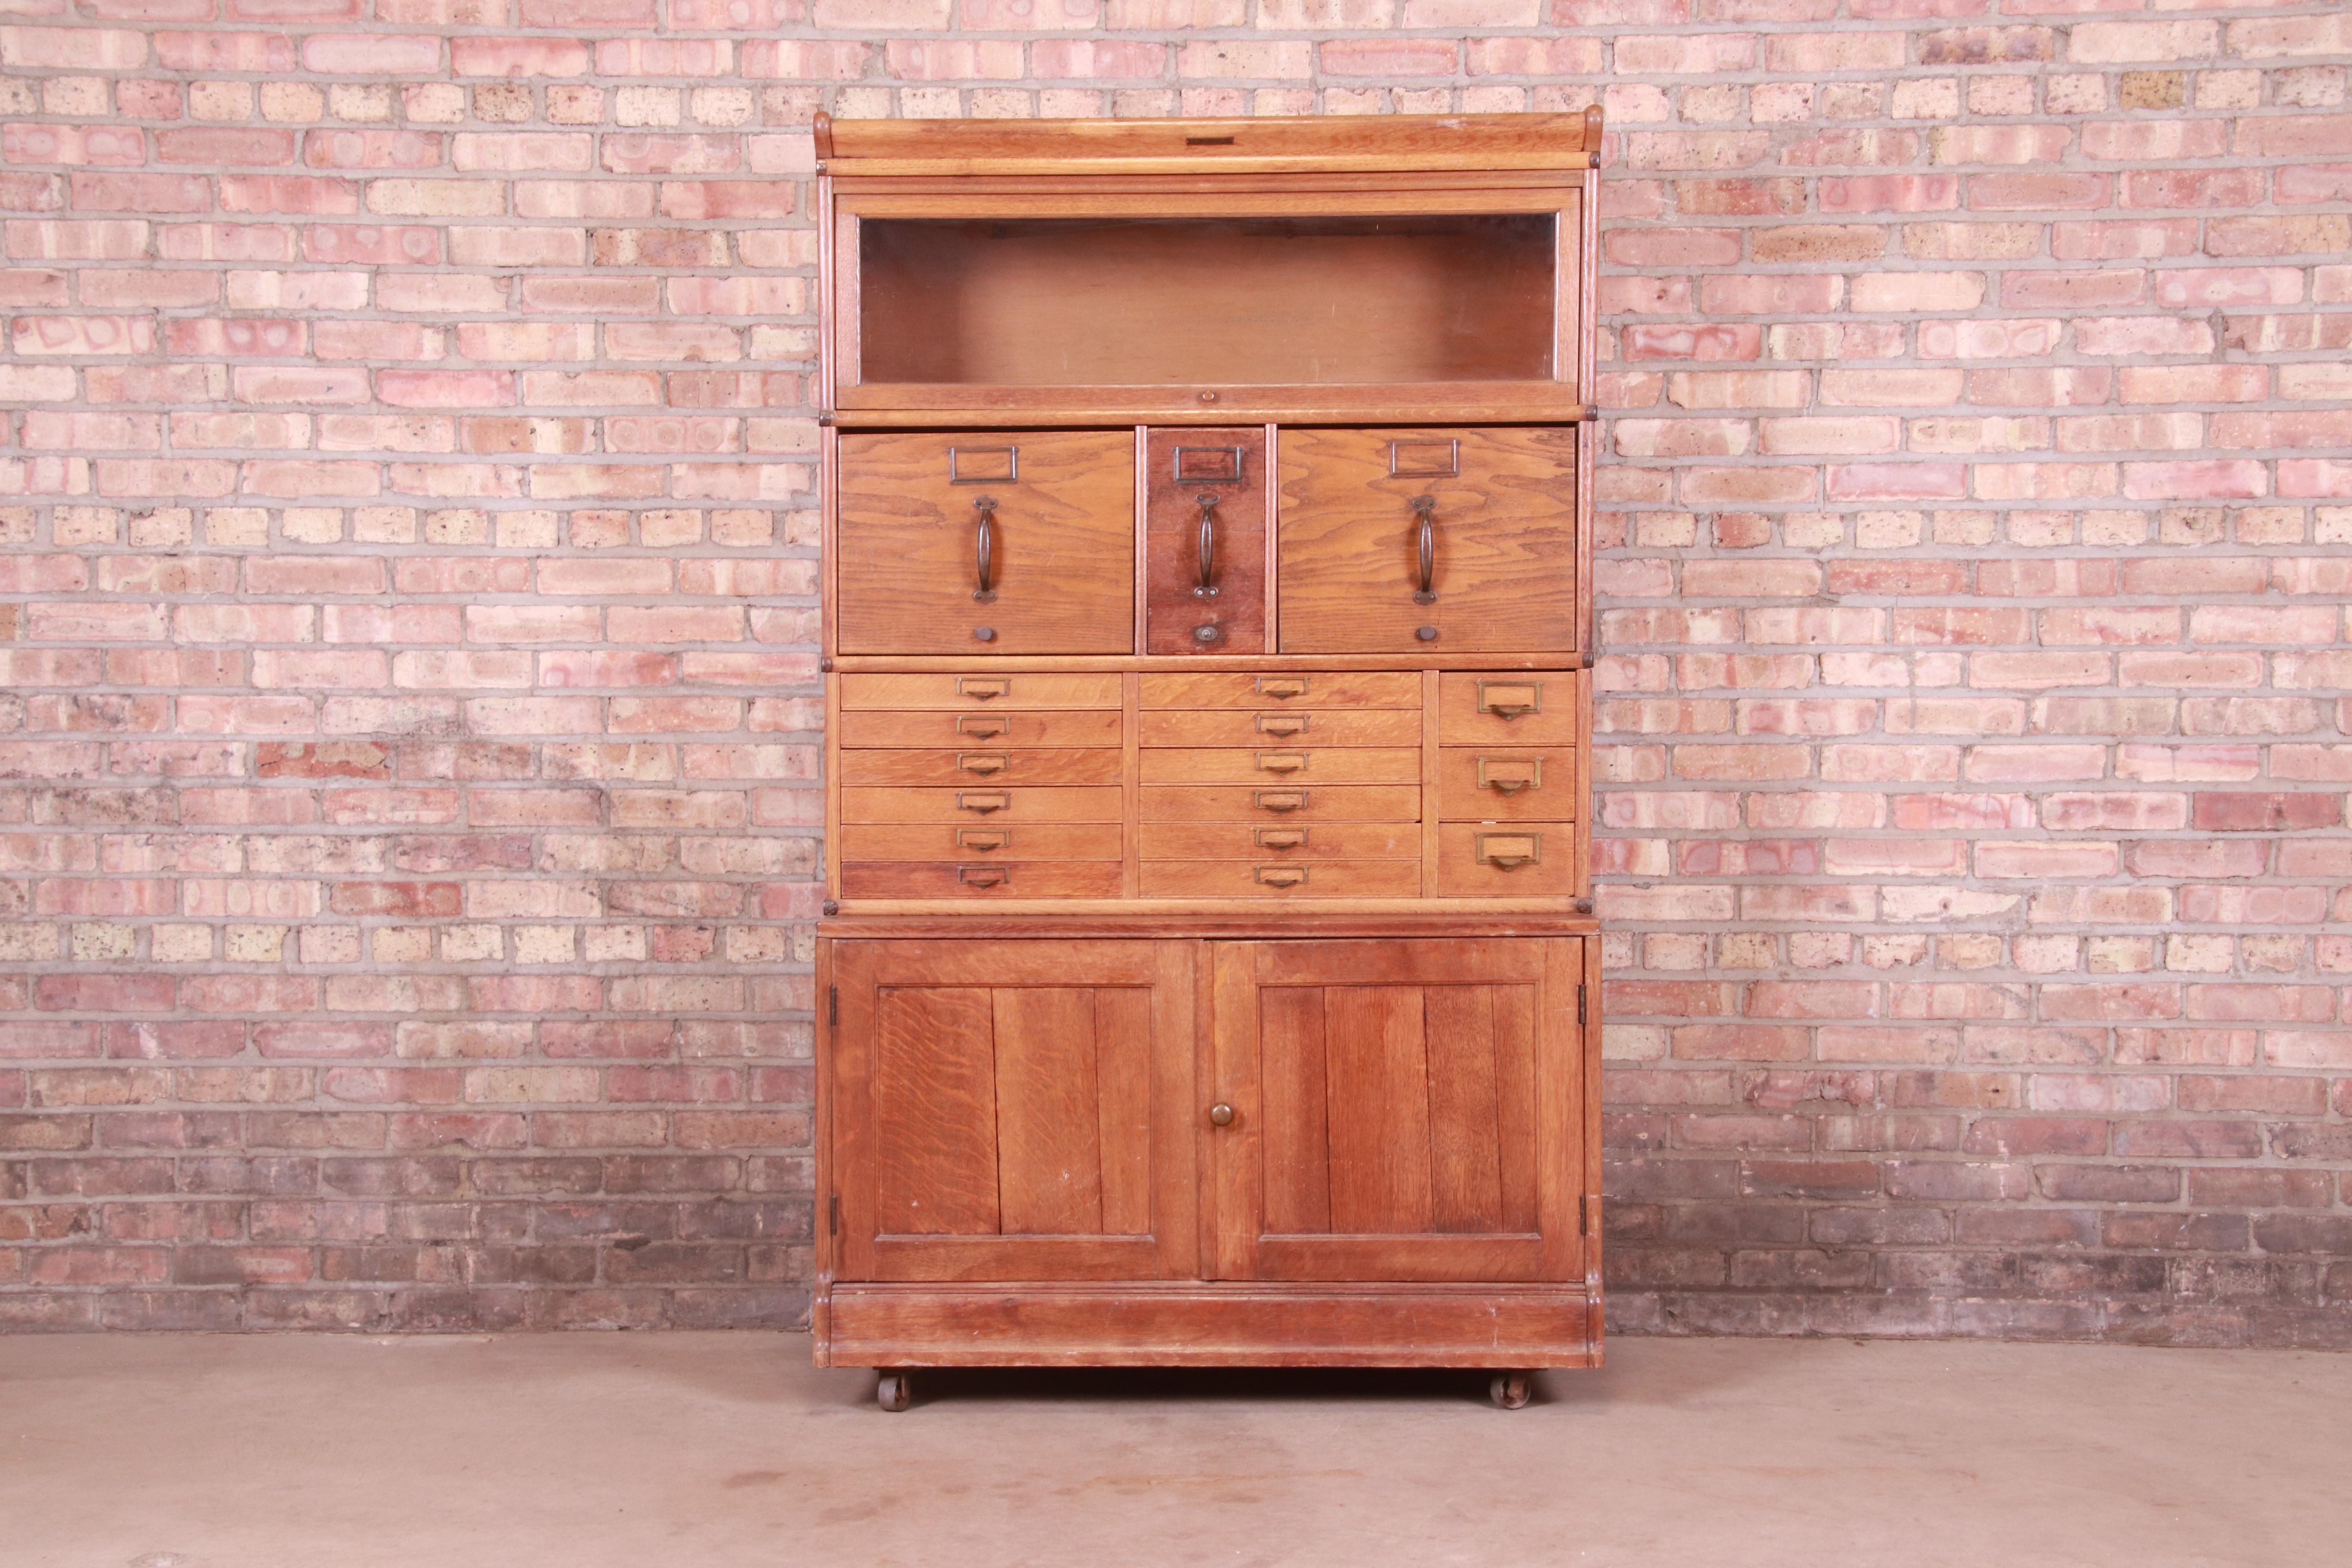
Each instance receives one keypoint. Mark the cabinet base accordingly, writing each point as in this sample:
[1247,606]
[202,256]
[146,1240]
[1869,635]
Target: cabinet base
[1197,1325]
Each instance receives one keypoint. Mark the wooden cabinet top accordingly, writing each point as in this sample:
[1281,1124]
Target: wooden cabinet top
[1399,143]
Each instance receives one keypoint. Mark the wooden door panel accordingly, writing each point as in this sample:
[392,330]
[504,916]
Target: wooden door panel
[1011,1111]
[1501,510]
[1056,510]
[1406,1110]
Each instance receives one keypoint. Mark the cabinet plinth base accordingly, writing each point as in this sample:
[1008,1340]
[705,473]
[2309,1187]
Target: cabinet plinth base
[1205,1325]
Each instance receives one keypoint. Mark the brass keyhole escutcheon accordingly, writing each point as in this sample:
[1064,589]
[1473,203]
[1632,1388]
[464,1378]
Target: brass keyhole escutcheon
[1221,1115]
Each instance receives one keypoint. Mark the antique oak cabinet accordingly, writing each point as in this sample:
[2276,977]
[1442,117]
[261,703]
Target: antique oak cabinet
[1208,974]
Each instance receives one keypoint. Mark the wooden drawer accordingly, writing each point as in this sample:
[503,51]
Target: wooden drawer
[1002,841]
[983,880]
[1238,727]
[1299,689]
[1283,841]
[1428,541]
[980,693]
[1320,802]
[1030,803]
[1283,766]
[981,766]
[1508,783]
[1204,517]
[1011,543]
[1507,860]
[1537,709]
[870,728]
[1283,879]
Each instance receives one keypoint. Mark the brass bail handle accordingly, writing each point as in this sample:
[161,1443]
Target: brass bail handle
[1208,584]
[986,507]
[1422,506]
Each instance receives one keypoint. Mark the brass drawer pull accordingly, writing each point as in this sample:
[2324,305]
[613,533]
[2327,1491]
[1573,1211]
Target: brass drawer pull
[982,762]
[983,800]
[983,875]
[984,839]
[1207,588]
[1279,837]
[1279,799]
[1510,775]
[981,728]
[1282,723]
[986,548]
[1282,761]
[1282,686]
[1425,548]
[1280,876]
[1509,851]
[982,689]
[1508,700]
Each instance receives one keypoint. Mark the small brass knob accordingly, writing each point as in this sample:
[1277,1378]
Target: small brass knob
[1221,1115]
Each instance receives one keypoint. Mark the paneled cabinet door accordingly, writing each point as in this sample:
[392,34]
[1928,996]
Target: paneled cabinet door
[1430,541]
[1402,1110]
[1013,542]
[1014,1110]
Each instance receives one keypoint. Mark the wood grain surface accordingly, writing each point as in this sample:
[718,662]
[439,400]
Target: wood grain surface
[1503,523]
[1063,554]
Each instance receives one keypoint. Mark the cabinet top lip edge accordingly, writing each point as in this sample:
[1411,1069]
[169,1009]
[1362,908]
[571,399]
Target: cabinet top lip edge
[1350,142]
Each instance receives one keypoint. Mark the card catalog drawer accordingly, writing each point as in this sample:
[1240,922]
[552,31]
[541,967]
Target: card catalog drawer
[1507,860]
[1283,803]
[980,765]
[990,841]
[1296,688]
[1283,764]
[989,880]
[1029,803]
[1281,841]
[1508,783]
[871,728]
[1283,879]
[1238,726]
[979,694]
[1536,708]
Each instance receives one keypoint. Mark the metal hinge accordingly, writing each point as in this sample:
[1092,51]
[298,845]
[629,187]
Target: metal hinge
[833,1008]
[1582,1015]
[833,1214]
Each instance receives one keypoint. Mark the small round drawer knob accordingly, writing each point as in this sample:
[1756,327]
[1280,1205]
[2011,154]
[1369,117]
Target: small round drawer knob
[985,634]
[1221,1115]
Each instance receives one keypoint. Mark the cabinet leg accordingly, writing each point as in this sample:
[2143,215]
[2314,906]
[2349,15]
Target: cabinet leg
[1511,1390]
[895,1391]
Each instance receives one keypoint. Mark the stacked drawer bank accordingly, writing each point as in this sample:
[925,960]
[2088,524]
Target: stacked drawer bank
[1208,973]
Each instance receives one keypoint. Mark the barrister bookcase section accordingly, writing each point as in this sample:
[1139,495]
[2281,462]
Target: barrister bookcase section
[1208,973]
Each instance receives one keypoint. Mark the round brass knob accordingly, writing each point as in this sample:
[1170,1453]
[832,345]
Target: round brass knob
[1221,1115]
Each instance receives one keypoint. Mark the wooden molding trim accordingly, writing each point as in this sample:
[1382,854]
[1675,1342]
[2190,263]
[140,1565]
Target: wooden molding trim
[1388,141]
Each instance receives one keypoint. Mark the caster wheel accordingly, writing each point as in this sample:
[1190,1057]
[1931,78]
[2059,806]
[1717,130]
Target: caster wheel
[1510,1390]
[896,1391]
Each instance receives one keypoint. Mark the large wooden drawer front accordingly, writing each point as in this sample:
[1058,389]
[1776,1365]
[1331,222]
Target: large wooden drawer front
[1281,880]
[1508,783]
[1320,802]
[981,765]
[1016,803]
[1000,841]
[1536,708]
[980,693]
[1287,765]
[1507,860]
[1238,726]
[978,879]
[1310,688]
[1501,510]
[1284,841]
[1046,519]
[869,730]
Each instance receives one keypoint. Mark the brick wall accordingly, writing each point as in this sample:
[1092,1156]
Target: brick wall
[405,596]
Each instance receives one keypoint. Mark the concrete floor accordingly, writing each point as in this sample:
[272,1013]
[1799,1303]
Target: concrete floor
[712,1450]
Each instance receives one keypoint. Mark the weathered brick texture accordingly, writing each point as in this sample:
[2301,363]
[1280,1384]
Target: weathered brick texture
[406,570]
